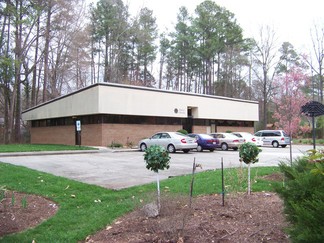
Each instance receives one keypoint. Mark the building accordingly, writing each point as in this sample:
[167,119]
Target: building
[106,113]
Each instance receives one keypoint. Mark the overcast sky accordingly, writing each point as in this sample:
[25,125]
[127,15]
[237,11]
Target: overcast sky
[292,20]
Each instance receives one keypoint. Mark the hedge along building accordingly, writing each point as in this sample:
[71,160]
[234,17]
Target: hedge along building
[106,113]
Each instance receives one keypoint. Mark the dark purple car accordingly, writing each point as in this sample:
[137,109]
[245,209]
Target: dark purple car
[205,142]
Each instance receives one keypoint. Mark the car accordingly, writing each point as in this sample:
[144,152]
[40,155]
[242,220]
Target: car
[171,141]
[274,138]
[249,138]
[205,142]
[228,140]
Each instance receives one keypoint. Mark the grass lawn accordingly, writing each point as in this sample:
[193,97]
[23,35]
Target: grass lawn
[80,214]
[308,141]
[9,148]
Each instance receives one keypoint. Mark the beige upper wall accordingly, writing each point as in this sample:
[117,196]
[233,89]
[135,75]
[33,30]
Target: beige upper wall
[78,103]
[128,100]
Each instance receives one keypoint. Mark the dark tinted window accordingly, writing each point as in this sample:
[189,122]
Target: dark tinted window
[165,135]
[271,134]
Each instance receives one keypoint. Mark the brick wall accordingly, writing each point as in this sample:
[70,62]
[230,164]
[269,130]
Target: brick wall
[53,135]
[97,134]
[235,129]
[131,133]
[201,129]
[106,134]
[91,135]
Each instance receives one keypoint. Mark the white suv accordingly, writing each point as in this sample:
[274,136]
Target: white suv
[275,138]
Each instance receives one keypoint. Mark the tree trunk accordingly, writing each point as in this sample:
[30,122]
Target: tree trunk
[158,191]
[34,78]
[46,49]
[16,100]
[161,71]
[249,179]
[265,97]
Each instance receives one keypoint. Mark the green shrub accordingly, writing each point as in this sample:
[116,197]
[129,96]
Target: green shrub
[115,145]
[183,131]
[156,158]
[248,153]
[303,196]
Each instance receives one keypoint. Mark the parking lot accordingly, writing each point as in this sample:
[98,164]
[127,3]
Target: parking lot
[117,169]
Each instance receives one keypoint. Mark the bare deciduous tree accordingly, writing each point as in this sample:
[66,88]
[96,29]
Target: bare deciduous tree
[265,62]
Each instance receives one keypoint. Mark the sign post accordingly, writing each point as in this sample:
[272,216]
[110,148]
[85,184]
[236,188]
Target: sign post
[313,109]
[78,132]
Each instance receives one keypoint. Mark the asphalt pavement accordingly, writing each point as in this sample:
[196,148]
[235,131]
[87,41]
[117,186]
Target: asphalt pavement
[117,169]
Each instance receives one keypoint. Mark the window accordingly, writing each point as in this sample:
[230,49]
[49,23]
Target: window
[156,136]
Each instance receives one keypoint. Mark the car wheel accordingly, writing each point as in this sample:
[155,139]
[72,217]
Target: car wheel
[186,151]
[275,144]
[283,146]
[171,148]
[199,148]
[143,147]
[224,146]
[212,150]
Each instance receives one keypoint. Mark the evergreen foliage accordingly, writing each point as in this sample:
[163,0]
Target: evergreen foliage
[183,131]
[303,196]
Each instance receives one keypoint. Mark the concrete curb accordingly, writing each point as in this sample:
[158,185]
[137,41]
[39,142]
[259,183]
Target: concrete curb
[41,153]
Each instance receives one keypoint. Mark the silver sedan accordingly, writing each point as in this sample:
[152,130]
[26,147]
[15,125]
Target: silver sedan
[172,141]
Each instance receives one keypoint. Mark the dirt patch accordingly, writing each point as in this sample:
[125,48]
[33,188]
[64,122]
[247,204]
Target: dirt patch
[243,218]
[273,177]
[20,211]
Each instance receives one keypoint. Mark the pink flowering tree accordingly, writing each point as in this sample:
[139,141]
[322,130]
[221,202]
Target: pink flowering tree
[289,99]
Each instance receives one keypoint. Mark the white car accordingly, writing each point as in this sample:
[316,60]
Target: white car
[172,141]
[249,138]
[228,140]
[274,138]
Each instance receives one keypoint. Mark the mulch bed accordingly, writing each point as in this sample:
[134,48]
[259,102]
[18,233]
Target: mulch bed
[244,218]
[20,211]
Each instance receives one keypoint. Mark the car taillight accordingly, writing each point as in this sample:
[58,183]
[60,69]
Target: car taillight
[253,140]
[210,141]
[282,139]
[183,140]
[235,141]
